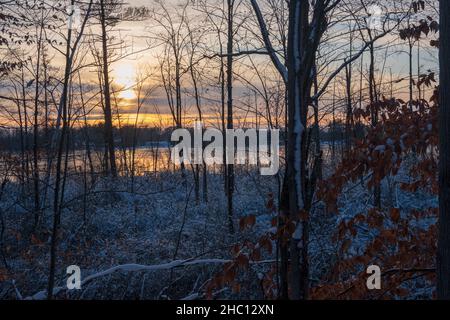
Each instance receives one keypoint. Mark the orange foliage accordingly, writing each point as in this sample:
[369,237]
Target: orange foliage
[404,245]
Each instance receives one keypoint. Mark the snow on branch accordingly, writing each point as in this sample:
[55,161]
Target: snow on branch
[356,56]
[347,62]
[41,295]
[265,34]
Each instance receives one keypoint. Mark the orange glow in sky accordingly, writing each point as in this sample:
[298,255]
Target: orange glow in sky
[124,77]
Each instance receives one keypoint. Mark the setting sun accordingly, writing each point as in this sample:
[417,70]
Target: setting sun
[127,94]
[124,77]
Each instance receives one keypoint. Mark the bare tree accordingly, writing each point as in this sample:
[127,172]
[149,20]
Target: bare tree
[303,40]
[107,9]
[443,258]
[72,42]
[230,122]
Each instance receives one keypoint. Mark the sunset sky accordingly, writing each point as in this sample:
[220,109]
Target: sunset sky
[136,32]
[141,53]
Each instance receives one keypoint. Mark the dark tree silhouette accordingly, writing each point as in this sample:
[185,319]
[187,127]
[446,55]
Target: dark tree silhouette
[443,259]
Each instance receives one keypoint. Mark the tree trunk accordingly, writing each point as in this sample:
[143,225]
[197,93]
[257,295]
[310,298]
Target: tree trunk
[109,137]
[443,258]
[36,131]
[297,191]
[230,167]
[295,175]
[62,138]
[411,79]
[318,149]
[25,121]
[374,113]
[349,117]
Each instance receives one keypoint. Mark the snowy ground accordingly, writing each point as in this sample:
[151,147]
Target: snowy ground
[158,243]
[145,228]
